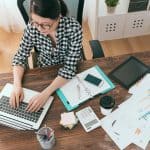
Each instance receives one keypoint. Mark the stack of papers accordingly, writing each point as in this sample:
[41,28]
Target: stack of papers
[130,123]
[68,120]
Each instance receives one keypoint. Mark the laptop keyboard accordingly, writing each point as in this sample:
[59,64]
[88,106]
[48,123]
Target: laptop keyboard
[20,111]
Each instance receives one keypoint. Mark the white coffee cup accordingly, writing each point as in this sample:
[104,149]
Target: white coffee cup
[107,103]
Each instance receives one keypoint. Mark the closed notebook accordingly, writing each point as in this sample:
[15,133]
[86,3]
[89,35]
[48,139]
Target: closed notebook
[78,90]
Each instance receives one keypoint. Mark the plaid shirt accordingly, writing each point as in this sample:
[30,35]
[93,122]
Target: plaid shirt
[67,50]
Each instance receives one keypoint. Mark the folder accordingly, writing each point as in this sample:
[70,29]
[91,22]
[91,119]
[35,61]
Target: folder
[77,90]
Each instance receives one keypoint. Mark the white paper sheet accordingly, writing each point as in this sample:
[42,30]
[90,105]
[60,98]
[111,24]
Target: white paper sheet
[117,127]
[131,122]
[142,85]
[135,99]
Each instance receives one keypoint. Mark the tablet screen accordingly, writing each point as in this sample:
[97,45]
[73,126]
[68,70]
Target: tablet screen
[129,72]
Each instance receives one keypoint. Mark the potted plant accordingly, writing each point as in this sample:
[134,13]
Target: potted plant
[111,5]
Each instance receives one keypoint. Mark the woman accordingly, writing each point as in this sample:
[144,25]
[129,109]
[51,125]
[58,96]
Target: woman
[58,40]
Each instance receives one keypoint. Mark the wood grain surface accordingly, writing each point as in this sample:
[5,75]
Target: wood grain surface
[77,138]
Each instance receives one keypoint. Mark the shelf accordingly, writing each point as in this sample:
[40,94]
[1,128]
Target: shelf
[117,25]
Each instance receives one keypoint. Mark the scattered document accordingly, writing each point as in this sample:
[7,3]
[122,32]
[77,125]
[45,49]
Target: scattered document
[142,85]
[130,123]
[117,128]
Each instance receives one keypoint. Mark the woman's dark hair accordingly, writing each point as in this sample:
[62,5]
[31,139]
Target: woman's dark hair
[49,8]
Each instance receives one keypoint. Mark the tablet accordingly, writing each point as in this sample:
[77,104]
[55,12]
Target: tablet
[129,72]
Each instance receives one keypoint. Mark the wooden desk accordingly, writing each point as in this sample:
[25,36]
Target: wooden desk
[38,79]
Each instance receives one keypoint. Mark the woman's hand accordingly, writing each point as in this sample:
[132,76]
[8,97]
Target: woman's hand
[37,102]
[40,99]
[16,97]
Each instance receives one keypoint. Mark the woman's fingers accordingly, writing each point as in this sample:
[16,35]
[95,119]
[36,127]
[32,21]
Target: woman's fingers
[34,105]
[38,108]
[16,97]
[12,100]
[30,104]
[36,102]
[21,97]
[17,101]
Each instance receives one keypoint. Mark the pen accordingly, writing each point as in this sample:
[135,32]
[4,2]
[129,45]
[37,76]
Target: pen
[78,89]
[46,130]
[46,136]
[50,135]
[113,122]
[116,133]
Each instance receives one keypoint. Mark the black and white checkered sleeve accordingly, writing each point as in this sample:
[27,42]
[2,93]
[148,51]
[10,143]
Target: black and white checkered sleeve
[26,45]
[74,55]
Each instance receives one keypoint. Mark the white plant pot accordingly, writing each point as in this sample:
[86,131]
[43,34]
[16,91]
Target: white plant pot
[111,9]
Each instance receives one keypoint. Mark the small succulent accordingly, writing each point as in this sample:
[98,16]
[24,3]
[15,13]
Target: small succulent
[111,3]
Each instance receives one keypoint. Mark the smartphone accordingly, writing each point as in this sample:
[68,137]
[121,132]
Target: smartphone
[93,80]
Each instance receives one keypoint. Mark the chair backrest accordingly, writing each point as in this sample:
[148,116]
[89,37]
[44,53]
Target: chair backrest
[75,8]
[72,7]
[24,6]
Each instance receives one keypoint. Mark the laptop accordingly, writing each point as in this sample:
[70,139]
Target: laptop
[18,118]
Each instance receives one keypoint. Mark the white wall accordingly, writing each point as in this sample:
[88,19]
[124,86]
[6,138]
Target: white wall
[85,10]
[90,15]
[10,17]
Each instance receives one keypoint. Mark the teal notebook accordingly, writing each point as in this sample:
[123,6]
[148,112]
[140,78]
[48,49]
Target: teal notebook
[77,90]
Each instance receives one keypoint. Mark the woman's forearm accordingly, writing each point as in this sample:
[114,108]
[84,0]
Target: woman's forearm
[18,72]
[57,83]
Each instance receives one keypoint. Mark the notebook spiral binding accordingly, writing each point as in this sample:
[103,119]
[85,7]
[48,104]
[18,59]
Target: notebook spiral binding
[87,90]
